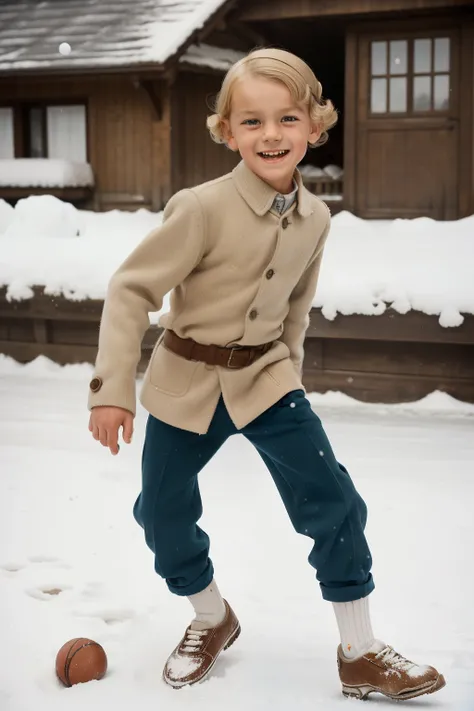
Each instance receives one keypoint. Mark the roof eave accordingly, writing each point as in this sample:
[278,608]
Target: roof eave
[200,34]
[84,70]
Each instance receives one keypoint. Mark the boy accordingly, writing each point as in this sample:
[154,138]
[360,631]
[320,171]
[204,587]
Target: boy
[242,255]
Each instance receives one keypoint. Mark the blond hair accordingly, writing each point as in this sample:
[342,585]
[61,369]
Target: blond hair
[276,65]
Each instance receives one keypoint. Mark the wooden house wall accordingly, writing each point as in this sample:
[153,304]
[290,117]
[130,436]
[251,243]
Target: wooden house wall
[196,157]
[128,142]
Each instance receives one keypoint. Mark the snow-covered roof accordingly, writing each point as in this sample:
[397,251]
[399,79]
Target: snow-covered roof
[205,55]
[101,33]
[44,173]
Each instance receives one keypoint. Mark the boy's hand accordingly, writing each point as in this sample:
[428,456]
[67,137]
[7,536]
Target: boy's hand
[105,422]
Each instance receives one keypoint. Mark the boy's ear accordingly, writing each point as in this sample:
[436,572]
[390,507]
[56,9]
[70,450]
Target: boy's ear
[316,131]
[229,138]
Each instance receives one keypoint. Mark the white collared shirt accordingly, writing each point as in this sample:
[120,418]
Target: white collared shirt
[282,203]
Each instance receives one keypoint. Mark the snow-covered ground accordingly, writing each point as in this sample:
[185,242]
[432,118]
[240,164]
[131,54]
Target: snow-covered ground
[66,524]
[416,264]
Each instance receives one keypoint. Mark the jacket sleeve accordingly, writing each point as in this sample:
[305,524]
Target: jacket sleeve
[159,263]
[301,299]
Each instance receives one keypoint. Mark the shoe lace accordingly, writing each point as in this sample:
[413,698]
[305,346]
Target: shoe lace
[193,640]
[389,656]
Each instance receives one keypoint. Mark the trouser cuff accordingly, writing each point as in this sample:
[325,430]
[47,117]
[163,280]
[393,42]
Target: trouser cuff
[196,586]
[348,593]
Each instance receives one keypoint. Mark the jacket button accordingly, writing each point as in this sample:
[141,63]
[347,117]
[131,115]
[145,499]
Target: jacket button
[253,314]
[270,273]
[285,222]
[95,384]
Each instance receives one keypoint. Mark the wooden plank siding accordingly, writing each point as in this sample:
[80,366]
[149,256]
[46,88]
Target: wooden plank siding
[128,144]
[389,358]
[196,157]
[285,9]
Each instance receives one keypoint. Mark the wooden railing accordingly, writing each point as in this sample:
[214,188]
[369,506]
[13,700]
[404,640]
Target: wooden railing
[388,358]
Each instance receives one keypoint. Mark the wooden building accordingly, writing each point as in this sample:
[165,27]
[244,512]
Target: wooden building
[129,102]
[401,72]
[132,96]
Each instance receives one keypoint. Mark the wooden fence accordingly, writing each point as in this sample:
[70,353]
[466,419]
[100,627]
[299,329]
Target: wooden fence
[388,358]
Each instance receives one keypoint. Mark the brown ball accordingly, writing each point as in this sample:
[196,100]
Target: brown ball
[80,660]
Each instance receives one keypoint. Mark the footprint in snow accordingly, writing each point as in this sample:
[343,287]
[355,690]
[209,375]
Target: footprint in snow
[11,567]
[110,617]
[47,592]
[48,560]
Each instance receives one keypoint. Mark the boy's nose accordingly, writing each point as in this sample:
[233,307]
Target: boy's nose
[272,133]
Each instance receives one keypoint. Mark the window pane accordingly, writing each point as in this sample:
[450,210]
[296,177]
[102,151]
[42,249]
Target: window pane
[378,99]
[422,94]
[441,92]
[36,133]
[442,46]
[398,95]
[7,143]
[67,133]
[398,57]
[422,56]
[379,58]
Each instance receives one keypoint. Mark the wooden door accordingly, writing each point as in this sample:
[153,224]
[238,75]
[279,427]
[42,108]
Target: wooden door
[407,118]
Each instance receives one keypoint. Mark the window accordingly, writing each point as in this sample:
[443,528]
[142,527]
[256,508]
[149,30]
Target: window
[56,132]
[67,132]
[410,75]
[7,143]
[431,74]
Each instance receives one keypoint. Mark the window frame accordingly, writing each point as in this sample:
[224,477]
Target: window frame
[21,127]
[411,36]
[11,105]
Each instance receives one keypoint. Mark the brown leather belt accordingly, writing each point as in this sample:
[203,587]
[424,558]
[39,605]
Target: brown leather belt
[237,357]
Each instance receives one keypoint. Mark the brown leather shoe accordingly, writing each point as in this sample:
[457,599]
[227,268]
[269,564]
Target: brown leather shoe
[384,671]
[196,654]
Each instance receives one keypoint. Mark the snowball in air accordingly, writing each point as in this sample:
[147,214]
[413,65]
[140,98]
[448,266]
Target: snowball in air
[65,48]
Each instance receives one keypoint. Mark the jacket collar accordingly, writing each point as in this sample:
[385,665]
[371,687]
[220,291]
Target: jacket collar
[260,196]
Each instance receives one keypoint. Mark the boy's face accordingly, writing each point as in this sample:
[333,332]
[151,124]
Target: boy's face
[269,130]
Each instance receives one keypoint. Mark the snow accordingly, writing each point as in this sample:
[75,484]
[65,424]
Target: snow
[64,48]
[6,215]
[329,171]
[368,265]
[46,216]
[66,525]
[165,43]
[205,55]
[181,667]
[44,173]
[419,264]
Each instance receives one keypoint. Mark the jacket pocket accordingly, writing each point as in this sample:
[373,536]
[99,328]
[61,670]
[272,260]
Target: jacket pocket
[267,370]
[169,373]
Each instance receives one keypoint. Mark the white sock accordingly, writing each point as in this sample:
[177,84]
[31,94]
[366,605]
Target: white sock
[355,628]
[208,606]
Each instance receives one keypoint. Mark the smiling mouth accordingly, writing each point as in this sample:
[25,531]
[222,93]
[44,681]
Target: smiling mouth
[272,155]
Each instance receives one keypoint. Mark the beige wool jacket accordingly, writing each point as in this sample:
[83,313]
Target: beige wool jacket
[240,274]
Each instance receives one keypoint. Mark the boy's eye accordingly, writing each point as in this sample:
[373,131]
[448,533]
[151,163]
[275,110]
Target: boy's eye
[251,122]
[290,118]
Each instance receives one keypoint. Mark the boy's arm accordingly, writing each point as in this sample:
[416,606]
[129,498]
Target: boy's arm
[301,299]
[159,263]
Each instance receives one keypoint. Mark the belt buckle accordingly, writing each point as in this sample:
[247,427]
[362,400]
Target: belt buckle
[229,360]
